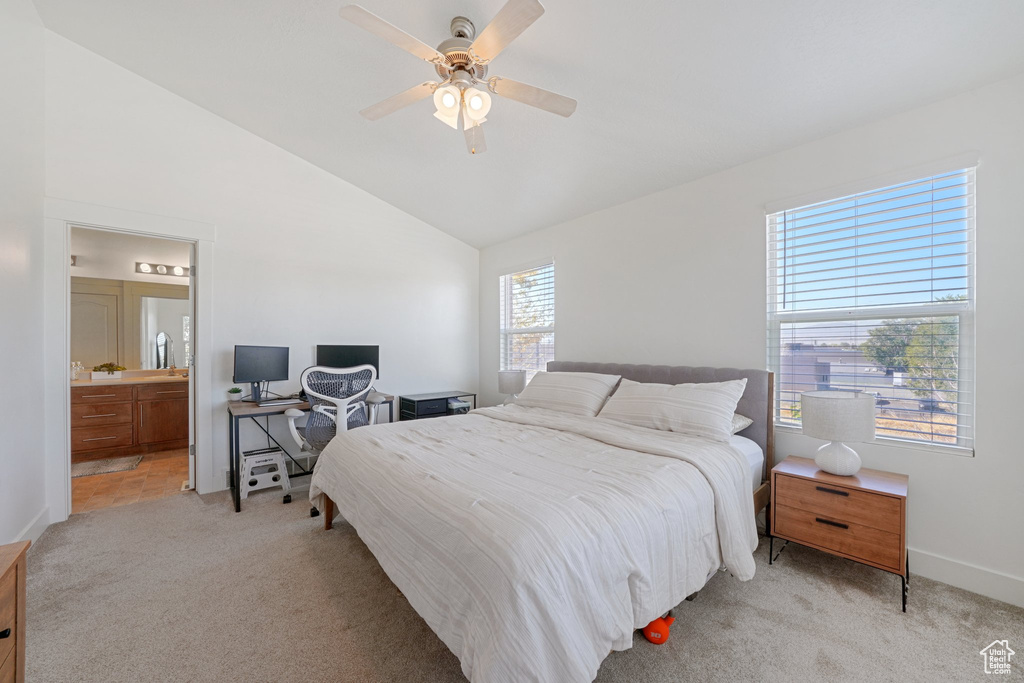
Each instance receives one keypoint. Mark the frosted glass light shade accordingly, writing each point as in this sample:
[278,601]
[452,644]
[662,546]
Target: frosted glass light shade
[511,381]
[838,415]
[448,101]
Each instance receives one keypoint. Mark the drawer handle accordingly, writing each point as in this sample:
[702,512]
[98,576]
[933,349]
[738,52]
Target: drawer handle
[831,523]
[6,633]
[836,492]
[179,391]
[89,417]
[98,395]
[100,438]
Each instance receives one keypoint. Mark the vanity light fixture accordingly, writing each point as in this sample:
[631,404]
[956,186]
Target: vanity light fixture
[161,269]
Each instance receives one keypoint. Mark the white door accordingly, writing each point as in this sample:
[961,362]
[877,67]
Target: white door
[189,343]
[94,325]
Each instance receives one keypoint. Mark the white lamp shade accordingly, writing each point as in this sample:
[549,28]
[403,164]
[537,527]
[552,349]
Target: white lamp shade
[448,101]
[838,415]
[511,381]
[478,103]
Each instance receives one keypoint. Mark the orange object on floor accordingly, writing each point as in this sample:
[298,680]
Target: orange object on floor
[657,630]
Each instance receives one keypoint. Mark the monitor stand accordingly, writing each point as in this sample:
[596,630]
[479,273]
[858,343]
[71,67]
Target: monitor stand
[255,395]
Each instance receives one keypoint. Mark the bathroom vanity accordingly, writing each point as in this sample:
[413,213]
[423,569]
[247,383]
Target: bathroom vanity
[133,415]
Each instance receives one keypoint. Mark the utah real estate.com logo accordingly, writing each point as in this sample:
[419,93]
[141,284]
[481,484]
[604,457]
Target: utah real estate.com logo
[997,657]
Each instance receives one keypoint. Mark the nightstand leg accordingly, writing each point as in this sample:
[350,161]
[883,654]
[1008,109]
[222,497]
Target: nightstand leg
[906,581]
[771,548]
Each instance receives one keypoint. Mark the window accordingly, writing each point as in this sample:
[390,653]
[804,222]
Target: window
[874,292]
[527,310]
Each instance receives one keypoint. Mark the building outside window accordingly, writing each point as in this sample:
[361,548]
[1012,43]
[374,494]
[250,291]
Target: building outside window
[874,292]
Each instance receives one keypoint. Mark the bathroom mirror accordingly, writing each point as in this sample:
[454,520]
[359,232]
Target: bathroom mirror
[166,316]
[164,351]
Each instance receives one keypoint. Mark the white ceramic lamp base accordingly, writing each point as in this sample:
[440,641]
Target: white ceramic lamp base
[835,457]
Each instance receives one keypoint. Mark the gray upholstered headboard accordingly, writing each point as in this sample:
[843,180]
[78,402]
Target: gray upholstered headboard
[756,402]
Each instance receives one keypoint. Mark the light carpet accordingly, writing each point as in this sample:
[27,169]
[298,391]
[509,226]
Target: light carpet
[184,589]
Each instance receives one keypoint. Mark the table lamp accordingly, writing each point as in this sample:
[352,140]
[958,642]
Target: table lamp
[511,382]
[838,416]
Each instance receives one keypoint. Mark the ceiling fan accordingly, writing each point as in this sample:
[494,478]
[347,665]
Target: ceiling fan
[462,96]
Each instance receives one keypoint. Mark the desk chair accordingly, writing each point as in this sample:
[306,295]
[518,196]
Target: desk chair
[334,393]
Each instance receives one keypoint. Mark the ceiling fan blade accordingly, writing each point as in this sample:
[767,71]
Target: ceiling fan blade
[382,29]
[511,20]
[475,140]
[533,96]
[402,99]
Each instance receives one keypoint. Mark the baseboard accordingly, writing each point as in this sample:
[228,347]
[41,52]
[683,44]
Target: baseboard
[34,529]
[970,577]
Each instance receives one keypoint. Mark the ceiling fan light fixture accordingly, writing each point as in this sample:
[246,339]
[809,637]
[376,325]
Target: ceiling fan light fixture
[447,99]
[478,103]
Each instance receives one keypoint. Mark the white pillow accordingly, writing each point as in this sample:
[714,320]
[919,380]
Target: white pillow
[699,409]
[740,422]
[578,393]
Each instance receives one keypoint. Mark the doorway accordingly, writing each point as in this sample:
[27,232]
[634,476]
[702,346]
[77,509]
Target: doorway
[131,342]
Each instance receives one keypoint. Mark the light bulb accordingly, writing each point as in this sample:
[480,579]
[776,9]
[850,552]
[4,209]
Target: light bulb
[478,103]
[145,268]
[447,99]
[162,270]
[178,270]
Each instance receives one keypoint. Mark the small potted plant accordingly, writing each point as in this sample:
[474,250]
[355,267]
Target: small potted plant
[107,371]
[234,394]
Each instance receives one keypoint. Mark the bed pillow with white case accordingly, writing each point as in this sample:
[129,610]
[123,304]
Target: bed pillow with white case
[577,393]
[704,409]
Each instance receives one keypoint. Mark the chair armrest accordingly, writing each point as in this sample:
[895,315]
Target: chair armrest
[294,414]
[375,397]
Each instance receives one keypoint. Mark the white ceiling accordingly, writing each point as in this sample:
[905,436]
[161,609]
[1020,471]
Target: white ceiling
[668,91]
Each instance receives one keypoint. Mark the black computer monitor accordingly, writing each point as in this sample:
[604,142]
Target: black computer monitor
[348,356]
[255,364]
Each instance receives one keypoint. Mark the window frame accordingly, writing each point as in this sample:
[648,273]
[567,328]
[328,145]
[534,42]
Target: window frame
[506,333]
[965,310]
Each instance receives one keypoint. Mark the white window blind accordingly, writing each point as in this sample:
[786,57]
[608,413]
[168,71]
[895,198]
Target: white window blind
[874,292]
[527,303]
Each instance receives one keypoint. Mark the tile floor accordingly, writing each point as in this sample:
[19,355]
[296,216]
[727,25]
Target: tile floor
[158,475]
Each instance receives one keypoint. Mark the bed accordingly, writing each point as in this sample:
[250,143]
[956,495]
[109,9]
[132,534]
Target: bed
[534,542]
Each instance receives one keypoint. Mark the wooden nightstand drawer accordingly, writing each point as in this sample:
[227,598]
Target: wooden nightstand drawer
[857,541]
[8,612]
[840,503]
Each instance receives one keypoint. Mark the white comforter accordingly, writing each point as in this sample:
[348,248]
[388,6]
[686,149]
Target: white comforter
[535,542]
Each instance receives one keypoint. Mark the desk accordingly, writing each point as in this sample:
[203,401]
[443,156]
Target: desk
[240,410]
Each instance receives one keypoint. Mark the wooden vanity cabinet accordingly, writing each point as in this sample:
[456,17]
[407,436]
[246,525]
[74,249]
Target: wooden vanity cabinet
[115,420]
[162,413]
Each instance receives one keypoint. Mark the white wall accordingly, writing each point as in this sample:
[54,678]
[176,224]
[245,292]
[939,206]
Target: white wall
[112,255]
[301,257]
[22,493]
[678,277]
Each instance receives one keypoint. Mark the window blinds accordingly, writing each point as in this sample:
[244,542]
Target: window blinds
[874,292]
[527,314]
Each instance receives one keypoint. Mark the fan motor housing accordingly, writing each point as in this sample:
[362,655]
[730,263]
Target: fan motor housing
[456,50]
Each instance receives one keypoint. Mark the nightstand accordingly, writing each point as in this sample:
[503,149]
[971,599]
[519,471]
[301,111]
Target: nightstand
[862,518]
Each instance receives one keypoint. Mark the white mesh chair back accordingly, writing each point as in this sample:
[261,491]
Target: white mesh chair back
[335,391]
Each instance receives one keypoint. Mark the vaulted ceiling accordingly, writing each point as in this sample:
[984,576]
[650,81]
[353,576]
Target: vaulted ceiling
[668,91]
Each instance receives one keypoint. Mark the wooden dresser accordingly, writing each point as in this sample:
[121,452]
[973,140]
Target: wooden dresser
[862,517]
[12,612]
